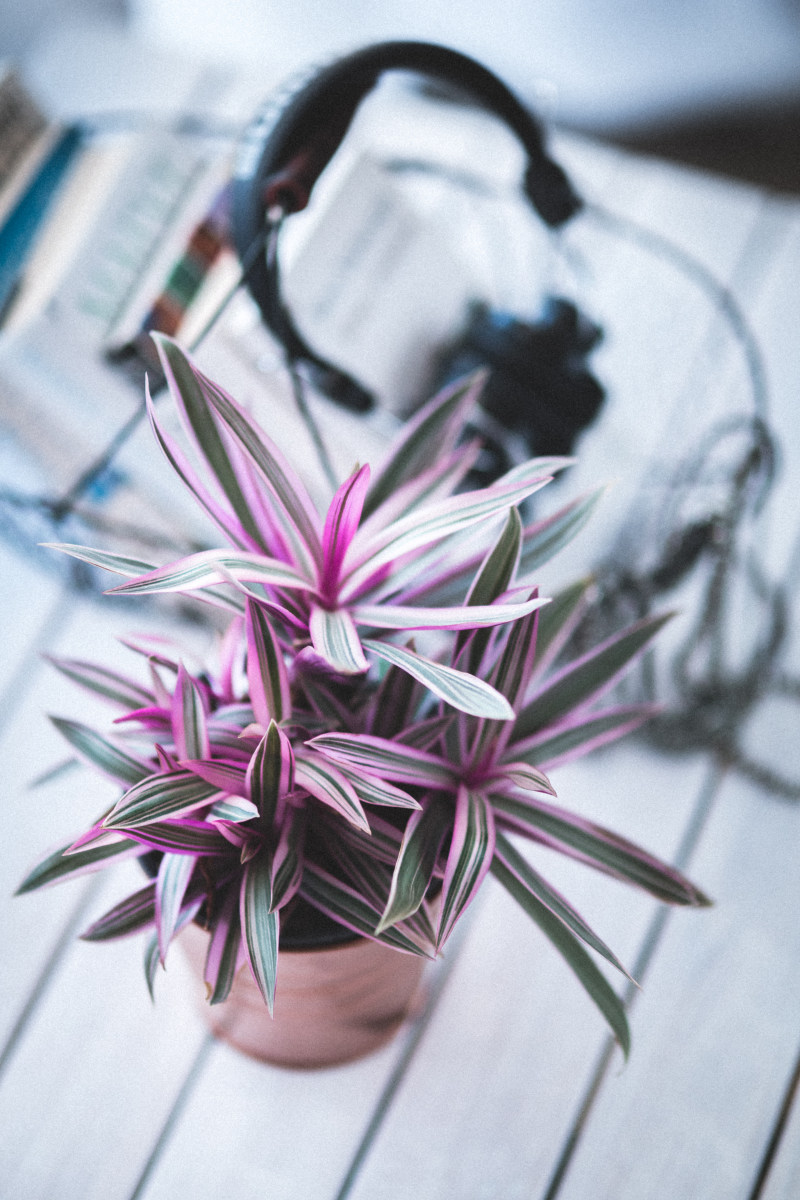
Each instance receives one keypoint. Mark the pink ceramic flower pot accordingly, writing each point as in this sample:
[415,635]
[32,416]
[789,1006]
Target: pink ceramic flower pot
[331,1005]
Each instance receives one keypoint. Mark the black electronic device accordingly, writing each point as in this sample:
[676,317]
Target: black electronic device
[293,139]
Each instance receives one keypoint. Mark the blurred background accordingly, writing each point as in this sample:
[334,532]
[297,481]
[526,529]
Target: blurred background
[710,82]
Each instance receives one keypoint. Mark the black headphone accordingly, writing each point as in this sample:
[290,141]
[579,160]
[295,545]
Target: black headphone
[292,140]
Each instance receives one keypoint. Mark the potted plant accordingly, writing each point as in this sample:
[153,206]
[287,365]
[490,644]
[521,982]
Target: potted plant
[389,694]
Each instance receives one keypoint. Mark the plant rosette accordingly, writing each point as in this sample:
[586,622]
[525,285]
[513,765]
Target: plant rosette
[388,698]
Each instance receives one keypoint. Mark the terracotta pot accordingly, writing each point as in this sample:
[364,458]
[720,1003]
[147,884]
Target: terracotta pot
[331,1005]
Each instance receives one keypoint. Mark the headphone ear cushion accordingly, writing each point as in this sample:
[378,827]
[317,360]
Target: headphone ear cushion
[550,192]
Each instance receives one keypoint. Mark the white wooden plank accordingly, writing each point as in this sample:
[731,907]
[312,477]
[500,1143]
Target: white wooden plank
[716,1029]
[482,1110]
[252,1130]
[89,1087]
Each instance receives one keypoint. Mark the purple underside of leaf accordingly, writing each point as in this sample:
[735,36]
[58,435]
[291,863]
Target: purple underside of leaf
[389,616]
[153,717]
[223,518]
[341,524]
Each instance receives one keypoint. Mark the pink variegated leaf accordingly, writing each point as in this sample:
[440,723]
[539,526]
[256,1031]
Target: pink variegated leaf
[154,719]
[209,567]
[171,794]
[518,879]
[385,758]
[395,616]
[469,858]
[372,879]
[266,671]
[182,837]
[242,529]
[435,521]
[529,879]
[103,682]
[223,947]
[151,955]
[341,524]
[100,752]
[120,564]
[441,479]
[189,718]
[133,913]
[542,540]
[271,773]
[587,677]
[174,874]
[287,859]
[66,862]
[428,437]
[459,689]
[207,407]
[331,786]
[416,862]
[579,734]
[233,810]
[372,790]
[558,621]
[260,927]
[166,760]
[597,847]
[523,775]
[336,641]
[352,910]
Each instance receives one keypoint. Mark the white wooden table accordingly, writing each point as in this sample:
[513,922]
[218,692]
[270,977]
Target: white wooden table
[505,1086]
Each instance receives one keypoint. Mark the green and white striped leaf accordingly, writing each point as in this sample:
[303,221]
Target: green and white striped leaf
[169,794]
[189,718]
[101,752]
[120,564]
[483,616]
[384,757]
[266,670]
[527,777]
[129,916]
[334,637]
[103,682]
[223,948]
[582,680]
[540,542]
[331,786]
[415,865]
[174,874]
[538,887]
[351,909]
[464,692]
[571,949]
[372,790]
[469,858]
[60,864]
[260,926]
[208,568]
[579,737]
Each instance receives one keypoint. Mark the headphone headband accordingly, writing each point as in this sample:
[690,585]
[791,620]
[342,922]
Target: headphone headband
[290,143]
